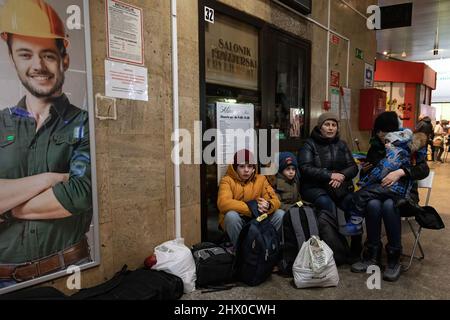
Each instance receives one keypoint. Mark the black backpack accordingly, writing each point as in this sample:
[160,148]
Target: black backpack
[258,249]
[140,284]
[299,224]
[214,265]
[329,232]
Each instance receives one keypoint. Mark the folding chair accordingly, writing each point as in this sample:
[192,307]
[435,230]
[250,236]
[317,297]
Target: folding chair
[426,183]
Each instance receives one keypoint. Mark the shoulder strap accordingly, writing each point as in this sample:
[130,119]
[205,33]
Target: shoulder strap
[312,221]
[253,207]
[297,225]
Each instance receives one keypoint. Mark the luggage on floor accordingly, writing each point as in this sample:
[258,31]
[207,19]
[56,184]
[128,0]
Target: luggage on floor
[258,249]
[175,258]
[140,284]
[39,293]
[213,264]
[329,232]
[299,224]
[314,265]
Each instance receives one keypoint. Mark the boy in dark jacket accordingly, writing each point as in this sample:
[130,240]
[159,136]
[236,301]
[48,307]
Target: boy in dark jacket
[287,182]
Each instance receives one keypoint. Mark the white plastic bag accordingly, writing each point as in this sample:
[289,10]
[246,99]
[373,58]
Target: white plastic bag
[175,258]
[314,265]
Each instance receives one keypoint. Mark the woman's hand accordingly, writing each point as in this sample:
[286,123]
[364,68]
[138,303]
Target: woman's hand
[337,177]
[392,178]
[335,184]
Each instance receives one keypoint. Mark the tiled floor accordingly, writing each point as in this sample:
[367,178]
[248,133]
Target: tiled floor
[427,279]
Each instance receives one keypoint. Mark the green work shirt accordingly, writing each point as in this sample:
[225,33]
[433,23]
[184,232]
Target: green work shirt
[61,145]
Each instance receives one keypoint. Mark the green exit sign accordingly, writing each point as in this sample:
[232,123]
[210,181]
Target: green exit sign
[359,54]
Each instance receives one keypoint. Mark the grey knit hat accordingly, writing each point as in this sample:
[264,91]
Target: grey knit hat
[327,116]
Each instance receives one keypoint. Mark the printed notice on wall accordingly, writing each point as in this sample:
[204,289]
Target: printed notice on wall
[346,103]
[124,32]
[368,76]
[335,96]
[125,81]
[230,118]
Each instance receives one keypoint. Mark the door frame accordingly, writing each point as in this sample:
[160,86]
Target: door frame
[266,70]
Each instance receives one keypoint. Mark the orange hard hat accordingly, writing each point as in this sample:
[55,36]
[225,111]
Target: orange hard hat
[33,18]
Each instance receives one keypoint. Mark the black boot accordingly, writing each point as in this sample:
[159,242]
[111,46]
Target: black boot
[371,256]
[394,268]
[356,249]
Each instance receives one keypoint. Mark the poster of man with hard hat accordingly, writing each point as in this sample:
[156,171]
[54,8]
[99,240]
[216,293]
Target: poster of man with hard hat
[48,213]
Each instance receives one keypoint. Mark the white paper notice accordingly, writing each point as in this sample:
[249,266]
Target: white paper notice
[125,37]
[125,81]
[232,116]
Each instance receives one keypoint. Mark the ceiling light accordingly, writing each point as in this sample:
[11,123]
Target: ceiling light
[385,53]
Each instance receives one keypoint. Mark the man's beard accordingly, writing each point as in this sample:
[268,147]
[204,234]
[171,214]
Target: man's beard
[43,93]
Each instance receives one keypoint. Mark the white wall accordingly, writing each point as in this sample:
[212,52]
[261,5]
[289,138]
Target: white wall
[442,92]
[442,111]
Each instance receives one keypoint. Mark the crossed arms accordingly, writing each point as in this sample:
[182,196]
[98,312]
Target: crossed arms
[32,198]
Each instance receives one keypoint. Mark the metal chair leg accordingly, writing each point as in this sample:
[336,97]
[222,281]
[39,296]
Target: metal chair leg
[416,244]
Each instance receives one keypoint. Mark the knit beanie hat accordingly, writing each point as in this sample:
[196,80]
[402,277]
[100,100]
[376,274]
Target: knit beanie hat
[387,121]
[286,159]
[326,116]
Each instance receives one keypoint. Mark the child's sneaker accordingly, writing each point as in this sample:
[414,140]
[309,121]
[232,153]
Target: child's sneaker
[352,228]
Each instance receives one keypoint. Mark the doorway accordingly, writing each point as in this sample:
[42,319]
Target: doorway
[278,89]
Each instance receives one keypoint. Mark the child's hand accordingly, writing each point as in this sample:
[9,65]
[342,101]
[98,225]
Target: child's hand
[263,205]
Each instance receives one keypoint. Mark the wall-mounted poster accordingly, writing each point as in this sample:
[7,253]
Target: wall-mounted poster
[231,117]
[124,34]
[48,202]
[296,121]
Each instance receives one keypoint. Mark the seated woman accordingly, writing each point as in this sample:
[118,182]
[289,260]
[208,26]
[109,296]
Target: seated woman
[241,184]
[378,211]
[327,168]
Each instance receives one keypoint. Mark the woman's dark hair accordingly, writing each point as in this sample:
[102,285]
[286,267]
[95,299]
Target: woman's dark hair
[387,121]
